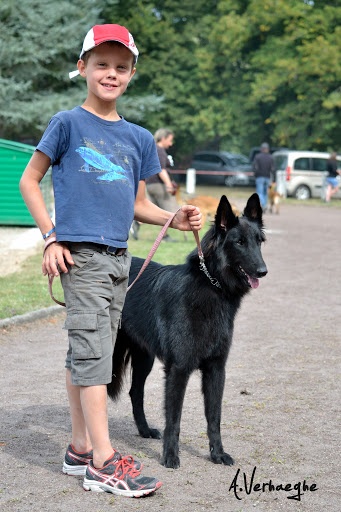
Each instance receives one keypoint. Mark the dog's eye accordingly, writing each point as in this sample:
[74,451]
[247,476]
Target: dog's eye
[240,242]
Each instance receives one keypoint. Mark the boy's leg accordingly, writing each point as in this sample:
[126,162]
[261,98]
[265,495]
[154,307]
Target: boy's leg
[80,437]
[105,285]
[94,291]
[94,406]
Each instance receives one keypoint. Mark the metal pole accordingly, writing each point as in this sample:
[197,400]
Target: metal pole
[190,181]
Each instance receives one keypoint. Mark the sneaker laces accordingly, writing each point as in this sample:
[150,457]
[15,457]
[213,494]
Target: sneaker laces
[125,466]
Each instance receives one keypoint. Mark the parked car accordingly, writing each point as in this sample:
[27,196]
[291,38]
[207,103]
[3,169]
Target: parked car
[304,172]
[222,168]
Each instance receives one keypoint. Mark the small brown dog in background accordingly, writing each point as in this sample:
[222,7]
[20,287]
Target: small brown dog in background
[208,206]
[274,198]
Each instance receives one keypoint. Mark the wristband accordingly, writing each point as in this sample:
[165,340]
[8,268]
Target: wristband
[49,233]
[49,242]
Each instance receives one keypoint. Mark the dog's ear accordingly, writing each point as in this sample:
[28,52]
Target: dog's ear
[253,210]
[225,219]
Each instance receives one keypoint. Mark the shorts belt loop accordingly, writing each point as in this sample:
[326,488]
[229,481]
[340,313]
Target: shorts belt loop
[116,251]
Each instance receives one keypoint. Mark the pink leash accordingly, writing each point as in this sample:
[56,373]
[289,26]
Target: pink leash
[156,245]
[51,292]
[147,260]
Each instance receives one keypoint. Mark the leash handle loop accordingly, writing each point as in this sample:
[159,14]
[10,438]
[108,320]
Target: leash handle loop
[51,292]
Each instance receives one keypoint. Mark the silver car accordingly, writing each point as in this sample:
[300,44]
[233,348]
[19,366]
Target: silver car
[302,174]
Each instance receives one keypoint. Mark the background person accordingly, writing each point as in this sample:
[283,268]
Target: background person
[264,169]
[333,171]
[160,188]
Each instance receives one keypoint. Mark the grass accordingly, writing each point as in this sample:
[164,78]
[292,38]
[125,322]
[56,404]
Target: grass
[27,289]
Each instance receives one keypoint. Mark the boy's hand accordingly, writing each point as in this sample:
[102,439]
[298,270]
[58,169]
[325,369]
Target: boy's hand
[187,218]
[55,256]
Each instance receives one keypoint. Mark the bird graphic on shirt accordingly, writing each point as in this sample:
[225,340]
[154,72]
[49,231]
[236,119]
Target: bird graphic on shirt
[102,163]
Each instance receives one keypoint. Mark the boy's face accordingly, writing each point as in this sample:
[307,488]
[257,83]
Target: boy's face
[108,71]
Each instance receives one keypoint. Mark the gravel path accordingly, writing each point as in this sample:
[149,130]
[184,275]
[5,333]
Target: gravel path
[281,409]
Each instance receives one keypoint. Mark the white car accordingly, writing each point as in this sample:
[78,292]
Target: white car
[302,173]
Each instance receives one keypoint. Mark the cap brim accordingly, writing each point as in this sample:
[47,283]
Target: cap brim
[73,74]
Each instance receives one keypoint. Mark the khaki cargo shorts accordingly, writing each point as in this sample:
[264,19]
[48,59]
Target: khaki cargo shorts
[94,291]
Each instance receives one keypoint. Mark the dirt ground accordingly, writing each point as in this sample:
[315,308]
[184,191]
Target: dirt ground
[281,410]
[16,244]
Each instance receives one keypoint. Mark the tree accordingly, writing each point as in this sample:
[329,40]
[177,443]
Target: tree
[40,43]
[301,86]
[235,72]
[223,74]
[35,56]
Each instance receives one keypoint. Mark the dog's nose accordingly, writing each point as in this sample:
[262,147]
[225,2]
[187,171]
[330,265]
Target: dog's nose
[261,272]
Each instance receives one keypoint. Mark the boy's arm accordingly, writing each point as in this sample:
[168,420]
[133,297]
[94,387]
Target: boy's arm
[188,218]
[31,192]
[55,254]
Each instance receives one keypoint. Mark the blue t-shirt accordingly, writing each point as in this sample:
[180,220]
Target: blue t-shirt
[96,169]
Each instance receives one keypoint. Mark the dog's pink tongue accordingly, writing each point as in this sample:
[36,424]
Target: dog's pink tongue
[254,282]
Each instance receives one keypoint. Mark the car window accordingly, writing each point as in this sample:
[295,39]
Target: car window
[319,164]
[302,164]
[239,160]
[281,162]
[209,158]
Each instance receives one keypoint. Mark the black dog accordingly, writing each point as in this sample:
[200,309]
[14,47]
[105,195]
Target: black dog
[184,316]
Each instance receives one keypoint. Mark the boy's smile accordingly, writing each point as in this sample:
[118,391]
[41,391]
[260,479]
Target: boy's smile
[108,71]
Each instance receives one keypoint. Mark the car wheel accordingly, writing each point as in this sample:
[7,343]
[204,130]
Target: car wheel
[230,181]
[302,192]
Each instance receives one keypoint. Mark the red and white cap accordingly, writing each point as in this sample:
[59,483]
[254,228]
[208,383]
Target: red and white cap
[103,33]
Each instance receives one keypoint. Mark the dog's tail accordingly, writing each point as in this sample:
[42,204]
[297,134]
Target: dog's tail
[121,359]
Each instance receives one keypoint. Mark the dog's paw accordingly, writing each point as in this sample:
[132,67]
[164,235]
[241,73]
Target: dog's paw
[148,433]
[222,458]
[171,461]
[154,433]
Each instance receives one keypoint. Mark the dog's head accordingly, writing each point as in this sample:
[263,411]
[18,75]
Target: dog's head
[232,247]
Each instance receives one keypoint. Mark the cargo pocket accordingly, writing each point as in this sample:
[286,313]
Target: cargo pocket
[84,335]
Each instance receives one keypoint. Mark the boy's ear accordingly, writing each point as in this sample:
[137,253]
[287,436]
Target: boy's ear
[133,71]
[81,67]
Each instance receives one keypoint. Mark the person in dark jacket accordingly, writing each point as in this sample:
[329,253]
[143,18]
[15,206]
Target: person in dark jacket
[264,169]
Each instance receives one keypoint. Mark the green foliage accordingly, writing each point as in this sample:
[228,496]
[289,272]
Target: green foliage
[35,42]
[235,72]
[40,43]
[301,85]
[223,74]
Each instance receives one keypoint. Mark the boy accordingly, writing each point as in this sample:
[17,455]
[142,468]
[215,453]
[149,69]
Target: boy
[100,162]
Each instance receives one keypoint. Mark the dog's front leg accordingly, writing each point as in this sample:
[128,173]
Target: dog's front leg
[176,382]
[213,380]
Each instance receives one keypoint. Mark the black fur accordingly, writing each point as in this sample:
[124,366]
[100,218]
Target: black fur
[175,313]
